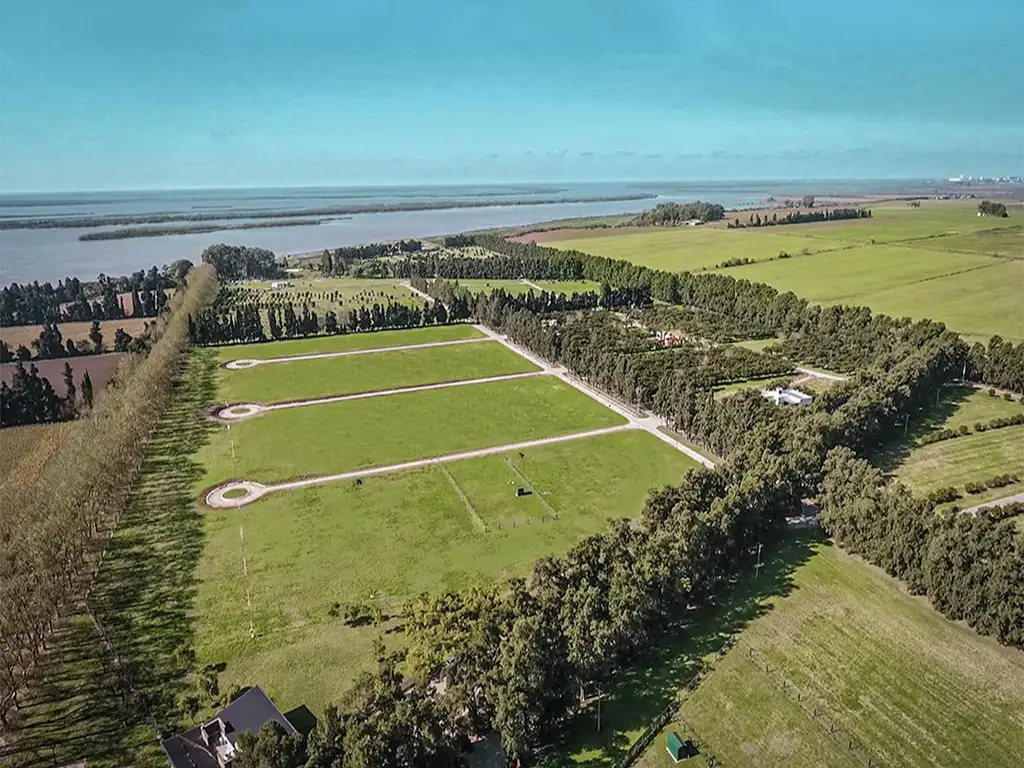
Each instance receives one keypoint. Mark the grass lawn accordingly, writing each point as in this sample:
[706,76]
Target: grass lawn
[975,457]
[747,720]
[738,386]
[390,538]
[892,224]
[756,345]
[910,687]
[347,341]
[332,438]
[1008,241]
[305,379]
[689,248]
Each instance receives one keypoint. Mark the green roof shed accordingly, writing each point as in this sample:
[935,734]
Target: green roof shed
[678,748]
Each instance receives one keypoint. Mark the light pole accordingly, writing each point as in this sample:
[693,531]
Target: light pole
[757,565]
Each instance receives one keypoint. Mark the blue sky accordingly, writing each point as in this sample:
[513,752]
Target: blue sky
[123,94]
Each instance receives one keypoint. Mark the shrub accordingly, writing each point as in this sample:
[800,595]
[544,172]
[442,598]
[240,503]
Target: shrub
[991,392]
[979,427]
[944,495]
[1007,397]
[964,429]
[784,255]
[973,487]
[1000,481]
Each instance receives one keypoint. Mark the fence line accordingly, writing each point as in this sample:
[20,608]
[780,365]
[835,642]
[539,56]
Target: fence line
[671,711]
[817,712]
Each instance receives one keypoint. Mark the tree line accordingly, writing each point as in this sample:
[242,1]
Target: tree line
[674,214]
[72,300]
[968,565]
[336,261]
[31,398]
[53,519]
[241,262]
[1001,364]
[800,217]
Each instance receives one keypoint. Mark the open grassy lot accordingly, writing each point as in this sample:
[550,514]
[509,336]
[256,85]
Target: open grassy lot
[908,686]
[689,248]
[24,335]
[898,223]
[391,538]
[332,438]
[971,458]
[737,386]
[978,303]
[756,345]
[1008,241]
[849,276]
[305,379]
[509,286]
[347,342]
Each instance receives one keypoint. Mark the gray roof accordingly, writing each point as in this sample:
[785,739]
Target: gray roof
[246,714]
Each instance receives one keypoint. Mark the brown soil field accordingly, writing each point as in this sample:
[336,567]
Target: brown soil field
[100,367]
[25,450]
[26,334]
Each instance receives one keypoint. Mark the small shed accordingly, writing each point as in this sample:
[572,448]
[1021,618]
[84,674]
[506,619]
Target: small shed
[520,491]
[679,748]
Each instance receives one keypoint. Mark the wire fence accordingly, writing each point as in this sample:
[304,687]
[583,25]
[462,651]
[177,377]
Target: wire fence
[812,707]
[671,712]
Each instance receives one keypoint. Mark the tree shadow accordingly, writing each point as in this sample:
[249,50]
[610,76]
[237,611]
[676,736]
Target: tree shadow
[648,687]
[892,453]
[302,718]
[143,599]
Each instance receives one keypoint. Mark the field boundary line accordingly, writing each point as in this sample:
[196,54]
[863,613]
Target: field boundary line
[216,499]
[253,362]
[224,413]
[648,422]
[465,499]
[531,486]
[808,704]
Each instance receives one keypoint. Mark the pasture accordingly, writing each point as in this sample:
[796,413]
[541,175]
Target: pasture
[940,261]
[101,369]
[389,369]
[908,686]
[391,538]
[975,457]
[355,434]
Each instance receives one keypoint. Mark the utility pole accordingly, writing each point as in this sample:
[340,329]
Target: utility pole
[906,425]
[757,565]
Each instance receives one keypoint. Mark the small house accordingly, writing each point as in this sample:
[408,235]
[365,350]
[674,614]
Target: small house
[786,396]
[281,284]
[212,744]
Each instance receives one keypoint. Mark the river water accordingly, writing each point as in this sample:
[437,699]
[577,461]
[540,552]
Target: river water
[51,254]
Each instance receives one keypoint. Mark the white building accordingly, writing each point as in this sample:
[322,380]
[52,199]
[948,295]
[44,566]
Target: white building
[786,396]
[281,284]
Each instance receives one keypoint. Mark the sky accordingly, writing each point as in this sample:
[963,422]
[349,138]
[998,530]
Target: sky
[122,94]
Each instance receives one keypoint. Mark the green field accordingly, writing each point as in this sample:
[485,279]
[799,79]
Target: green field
[738,386]
[347,342]
[972,458]
[568,287]
[486,286]
[306,379]
[337,437]
[941,261]
[690,248]
[393,537]
[908,686]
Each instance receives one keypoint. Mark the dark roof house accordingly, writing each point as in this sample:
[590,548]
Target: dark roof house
[212,744]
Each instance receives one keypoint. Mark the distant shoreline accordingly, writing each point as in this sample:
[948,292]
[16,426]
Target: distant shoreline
[130,232]
[345,210]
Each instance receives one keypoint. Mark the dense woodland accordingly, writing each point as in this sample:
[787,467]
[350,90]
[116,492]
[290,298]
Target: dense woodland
[72,300]
[988,208]
[1001,364]
[241,262]
[675,214]
[800,217]
[336,261]
[31,399]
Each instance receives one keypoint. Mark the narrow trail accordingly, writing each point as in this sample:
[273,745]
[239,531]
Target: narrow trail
[1003,502]
[219,499]
[533,285]
[243,363]
[417,291]
[241,411]
[820,374]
